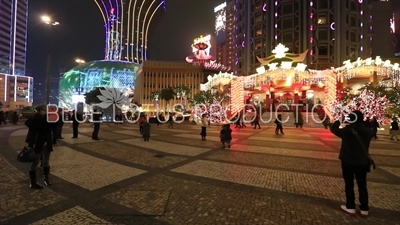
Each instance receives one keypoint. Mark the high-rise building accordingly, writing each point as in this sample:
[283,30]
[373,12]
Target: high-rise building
[333,31]
[16,89]
[224,33]
[13,28]
[128,24]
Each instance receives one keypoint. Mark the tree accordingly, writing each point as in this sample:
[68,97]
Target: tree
[167,94]
[155,95]
[91,96]
[202,97]
[179,90]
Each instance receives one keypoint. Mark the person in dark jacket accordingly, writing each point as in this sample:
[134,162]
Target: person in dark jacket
[226,135]
[96,117]
[354,158]
[57,131]
[40,138]
[76,119]
[375,126]
[394,130]
[146,131]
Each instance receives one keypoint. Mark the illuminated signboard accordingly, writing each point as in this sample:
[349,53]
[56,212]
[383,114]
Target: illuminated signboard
[220,18]
[202,43]
[86,77]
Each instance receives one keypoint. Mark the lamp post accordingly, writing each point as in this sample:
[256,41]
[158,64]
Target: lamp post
[79,61]
[48,21]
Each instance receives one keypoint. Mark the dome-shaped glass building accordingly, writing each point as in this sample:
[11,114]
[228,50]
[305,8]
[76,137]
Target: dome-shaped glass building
[87,76]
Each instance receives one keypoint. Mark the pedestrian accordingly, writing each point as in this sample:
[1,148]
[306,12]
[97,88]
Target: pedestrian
[40,139]
[171,121]
[394,130]
[14,118]
[256,121]
[146,131]
[96,119]
[278,122]
[142,120]
[375,126]
[76,119]
[226,135]
[2,118]
[203,132]
[354,157]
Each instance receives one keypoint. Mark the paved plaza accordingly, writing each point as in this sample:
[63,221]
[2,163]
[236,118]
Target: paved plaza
[177,178]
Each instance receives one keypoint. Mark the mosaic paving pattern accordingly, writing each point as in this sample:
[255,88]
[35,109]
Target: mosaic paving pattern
[166,147]
[76,215]
[304,184]
[87,171]
[177,178]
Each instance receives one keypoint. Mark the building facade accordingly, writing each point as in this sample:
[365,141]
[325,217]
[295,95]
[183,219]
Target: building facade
[16,92]
[157,75]
[13,28]
[128,25]
[333,31]
[224,17]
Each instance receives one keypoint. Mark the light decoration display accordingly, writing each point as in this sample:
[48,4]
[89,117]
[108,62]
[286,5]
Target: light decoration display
[280,51]
[366,67]
[311,44]
[201,48]
[367,102]
[216,66]
[220,18]
[392,25]
[237,95]
[217,80]
[331,90]
[127,24]
[90,75]
[214,110]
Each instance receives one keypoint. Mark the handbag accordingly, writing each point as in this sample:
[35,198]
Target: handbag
[26,155]
[371,163]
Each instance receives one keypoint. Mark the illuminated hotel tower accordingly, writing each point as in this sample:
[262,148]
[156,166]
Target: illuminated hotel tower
[127,26]
[333,31]
[13,26]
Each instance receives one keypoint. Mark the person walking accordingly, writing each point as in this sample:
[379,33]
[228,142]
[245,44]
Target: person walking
[171,121]
[146,131]
[394,130]
[278,122]
[76,118]
[354,157]
[256,121]
[204,124]
[375,126]
[96,118]
[40,139]
[2,118]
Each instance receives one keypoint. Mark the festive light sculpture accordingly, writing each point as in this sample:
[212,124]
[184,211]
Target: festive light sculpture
[367,102]
[127,24]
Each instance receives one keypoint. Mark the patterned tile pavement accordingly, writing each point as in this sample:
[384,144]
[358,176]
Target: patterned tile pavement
[177,178]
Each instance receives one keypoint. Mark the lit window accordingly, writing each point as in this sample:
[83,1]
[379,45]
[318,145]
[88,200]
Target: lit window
[322,20]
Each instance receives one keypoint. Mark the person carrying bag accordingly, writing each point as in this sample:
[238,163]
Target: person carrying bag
[355,160]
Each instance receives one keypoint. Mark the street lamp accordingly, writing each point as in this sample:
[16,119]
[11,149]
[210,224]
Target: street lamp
[79,61]
[49,22]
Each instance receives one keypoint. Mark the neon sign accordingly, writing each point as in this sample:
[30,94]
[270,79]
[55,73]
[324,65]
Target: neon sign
[220,18]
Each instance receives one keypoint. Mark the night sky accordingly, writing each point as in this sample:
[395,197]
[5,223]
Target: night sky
[81,32]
